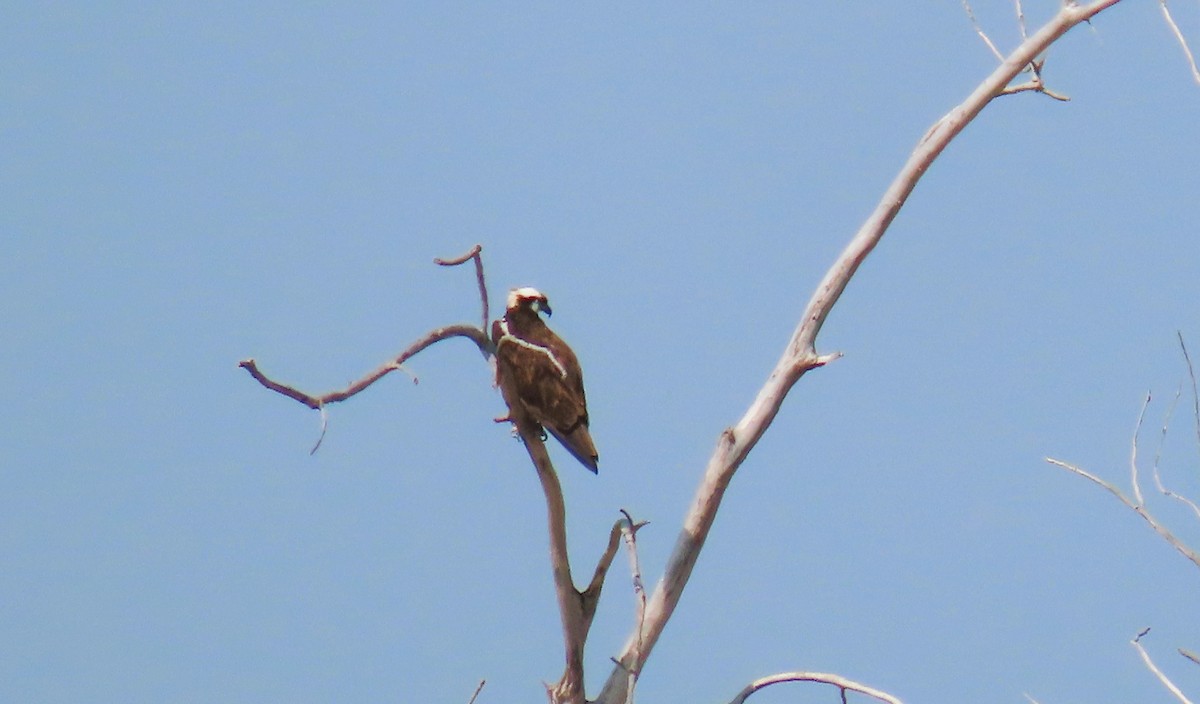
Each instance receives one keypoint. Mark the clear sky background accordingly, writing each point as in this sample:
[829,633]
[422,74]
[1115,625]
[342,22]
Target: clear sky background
[182,187]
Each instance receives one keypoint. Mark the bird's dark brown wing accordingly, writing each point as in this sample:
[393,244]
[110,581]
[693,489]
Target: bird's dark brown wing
[565,414]
[544,377]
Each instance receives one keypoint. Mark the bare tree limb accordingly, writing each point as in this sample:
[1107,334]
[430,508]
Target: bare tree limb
[842,683]
[800,355]
[316,402]
[1140,510]
[1180,38]
[319,402]
[1162,678]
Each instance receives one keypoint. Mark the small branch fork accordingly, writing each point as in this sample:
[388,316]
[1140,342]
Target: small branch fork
[842,683]
[1034,67]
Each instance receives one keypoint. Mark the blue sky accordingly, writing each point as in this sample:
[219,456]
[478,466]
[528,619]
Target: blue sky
[185,187]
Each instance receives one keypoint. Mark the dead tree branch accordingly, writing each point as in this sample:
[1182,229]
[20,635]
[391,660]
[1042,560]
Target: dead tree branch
[1187,51]
[476,335]
[800,355]
[1138,504]
[1139,509]
[317,402]
[843,684]
[576,608]
[1162,678]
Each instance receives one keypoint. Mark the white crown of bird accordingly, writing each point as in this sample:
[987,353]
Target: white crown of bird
[524,293]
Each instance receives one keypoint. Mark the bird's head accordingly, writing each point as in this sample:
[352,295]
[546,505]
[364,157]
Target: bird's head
[529,298]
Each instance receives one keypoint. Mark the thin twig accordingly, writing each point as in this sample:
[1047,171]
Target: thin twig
[324,427]
[842,683]
[1162,678]
[1191,375]
[1133,466]
[979,30]
[1158,482]
[1180,38]
[477,691]
[475,253]
[629,529]
[1162,436]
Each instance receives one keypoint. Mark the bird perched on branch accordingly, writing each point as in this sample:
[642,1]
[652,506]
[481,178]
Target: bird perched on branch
[539,375]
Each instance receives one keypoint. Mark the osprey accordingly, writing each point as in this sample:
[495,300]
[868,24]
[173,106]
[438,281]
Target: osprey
[539,376]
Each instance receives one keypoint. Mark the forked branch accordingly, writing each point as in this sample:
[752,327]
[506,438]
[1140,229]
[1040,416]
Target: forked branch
[1137,502]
